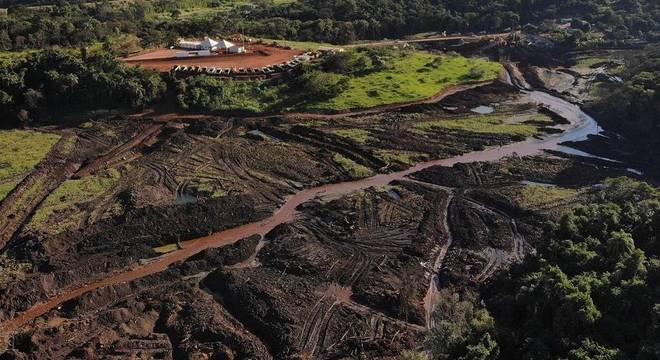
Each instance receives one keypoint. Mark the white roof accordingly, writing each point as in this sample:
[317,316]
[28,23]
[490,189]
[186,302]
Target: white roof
[224,44]
[186,42]
[210,43]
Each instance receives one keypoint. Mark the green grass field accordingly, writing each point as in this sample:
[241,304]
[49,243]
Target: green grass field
[486,124]
[353,168]
[20,152]
[409,76]
[360,136]
[7,187]
[537,196]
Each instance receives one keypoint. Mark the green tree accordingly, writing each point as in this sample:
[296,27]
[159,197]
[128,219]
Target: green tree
[620,245]
[321,85]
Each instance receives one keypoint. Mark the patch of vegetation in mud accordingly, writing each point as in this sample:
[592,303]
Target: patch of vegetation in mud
[494,124]
[360,136]
[401,156]
[20,152]
[354,169]
[6,187]
[60,210]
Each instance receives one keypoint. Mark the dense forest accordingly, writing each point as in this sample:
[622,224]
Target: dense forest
[337,21]
[632,108]
[53,82]
[590,293]
[347,20]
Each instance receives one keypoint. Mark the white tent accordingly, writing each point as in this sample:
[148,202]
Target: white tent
[209,44]
[224,44]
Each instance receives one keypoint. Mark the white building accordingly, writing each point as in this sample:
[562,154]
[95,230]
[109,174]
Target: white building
[185,54]
[236,49]
[206,44]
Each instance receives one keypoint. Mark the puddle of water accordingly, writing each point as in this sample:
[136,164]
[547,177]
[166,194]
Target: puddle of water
[184,198]
[483,109]
[393,194]
[529,182]
[263,135]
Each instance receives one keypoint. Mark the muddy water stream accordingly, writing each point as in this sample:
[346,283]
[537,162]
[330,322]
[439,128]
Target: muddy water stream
[580,126]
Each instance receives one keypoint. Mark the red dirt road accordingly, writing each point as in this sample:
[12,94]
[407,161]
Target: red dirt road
[258,56]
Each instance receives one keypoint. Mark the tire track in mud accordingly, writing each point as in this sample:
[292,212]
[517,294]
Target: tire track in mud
[579,126]
[517,239]
[429,298]
[147,134]
[316,323]
[496,258]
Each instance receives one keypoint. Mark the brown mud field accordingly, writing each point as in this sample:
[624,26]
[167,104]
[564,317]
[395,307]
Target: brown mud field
[286,259]
[288,210]
[257,56]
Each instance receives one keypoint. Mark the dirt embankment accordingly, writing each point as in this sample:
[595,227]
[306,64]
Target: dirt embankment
[146,137]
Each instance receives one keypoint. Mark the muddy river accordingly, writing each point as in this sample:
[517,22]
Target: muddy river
[580,126]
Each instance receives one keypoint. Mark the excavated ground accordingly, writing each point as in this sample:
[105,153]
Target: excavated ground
[348,277]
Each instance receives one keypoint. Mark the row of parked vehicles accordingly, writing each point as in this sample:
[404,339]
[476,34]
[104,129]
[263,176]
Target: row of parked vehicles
[266,70]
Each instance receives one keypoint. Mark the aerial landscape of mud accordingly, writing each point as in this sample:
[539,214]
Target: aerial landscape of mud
[413,193]
[260,275]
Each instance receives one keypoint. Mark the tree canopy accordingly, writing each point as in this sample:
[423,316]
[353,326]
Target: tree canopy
[593,291]
[54,82]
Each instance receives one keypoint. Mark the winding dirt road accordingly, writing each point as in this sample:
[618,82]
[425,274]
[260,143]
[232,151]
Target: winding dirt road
[580,126]
[430,39]
[168,115]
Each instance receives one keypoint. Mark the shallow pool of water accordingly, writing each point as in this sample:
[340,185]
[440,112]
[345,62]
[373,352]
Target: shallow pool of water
[483,109]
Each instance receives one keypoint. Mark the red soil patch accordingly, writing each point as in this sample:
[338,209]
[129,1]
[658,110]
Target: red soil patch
[257,56]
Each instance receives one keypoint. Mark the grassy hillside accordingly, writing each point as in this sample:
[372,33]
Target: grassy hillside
[409,76]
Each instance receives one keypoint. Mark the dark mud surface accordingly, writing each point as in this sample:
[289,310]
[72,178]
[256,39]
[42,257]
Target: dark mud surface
[350,273]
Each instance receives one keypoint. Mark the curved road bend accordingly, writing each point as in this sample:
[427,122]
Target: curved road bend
[580,126]
[450,90]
